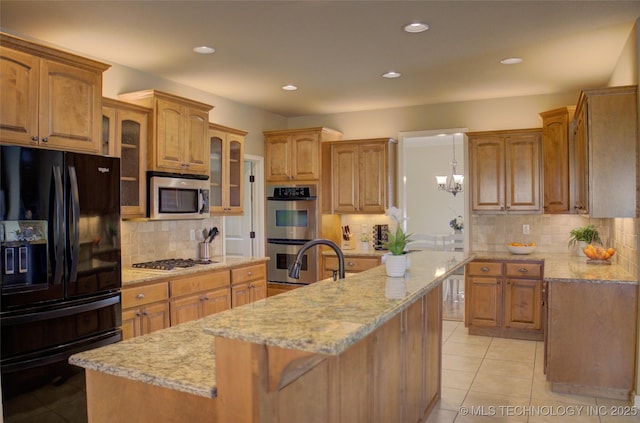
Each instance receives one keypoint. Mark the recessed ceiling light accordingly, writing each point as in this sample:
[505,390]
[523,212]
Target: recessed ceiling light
[391,75]
[204,50]
[511,61]
[289,87]
[416,27]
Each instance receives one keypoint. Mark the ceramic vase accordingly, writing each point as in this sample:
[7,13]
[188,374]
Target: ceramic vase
[396,265]
[580,249]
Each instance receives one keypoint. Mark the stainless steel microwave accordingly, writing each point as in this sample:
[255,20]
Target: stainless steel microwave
[177,196]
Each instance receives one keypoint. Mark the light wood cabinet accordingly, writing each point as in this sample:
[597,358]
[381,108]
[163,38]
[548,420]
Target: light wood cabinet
[504,299]
[248,284]
[179,132]
[295,154]
[49,98]
[605,138]
[352,264]
[125,135]
[145,309]
[557,166]
[591,341]
[200,295]
[226,170]
[505,171]
[363,175]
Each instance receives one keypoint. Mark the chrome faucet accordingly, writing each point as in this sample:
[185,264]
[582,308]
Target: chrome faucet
[294,269]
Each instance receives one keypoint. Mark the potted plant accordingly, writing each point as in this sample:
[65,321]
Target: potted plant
[582,236]
[396,261]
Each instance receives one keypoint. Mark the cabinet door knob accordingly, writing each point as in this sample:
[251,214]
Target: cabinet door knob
[351,264]
[45,139]
[140,296]
[249,273]
[484,268]
[34,138]
[523,270]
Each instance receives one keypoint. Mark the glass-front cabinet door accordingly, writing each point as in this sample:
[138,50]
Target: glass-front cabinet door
[226,166]
[125,134]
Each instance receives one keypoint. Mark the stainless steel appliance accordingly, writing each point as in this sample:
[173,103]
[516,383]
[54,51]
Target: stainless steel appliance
[292,220]
[177,196]
[59,262]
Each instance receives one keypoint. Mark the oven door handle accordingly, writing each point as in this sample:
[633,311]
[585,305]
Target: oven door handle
[281,241]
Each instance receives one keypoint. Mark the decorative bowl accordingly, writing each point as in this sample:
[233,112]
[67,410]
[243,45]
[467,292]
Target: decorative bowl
[521,249]
[598,253]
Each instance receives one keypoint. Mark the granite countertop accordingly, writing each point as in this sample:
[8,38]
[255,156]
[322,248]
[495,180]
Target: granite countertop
[566,267]
[133,276]
[328,317]
[183,357]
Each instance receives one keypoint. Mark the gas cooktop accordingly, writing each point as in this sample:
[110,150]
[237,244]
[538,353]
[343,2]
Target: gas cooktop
[170,264]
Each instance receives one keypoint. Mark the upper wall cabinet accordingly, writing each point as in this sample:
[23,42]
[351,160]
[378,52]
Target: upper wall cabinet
[295,154]
[505,169]
[363,175]
[49,98]
[179,132]
[226,174]
[605,139]
[125,135]
[558,181]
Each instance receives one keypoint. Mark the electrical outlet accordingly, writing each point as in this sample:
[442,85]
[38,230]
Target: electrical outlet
[525,229]
[192,234]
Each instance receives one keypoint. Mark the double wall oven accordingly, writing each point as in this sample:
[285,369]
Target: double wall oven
[292,220]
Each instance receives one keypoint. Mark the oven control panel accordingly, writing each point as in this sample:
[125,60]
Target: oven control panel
[292,192]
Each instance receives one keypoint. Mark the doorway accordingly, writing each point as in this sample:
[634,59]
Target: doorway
[244,235]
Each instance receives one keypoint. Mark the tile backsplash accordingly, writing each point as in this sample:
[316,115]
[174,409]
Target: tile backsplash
[154,240]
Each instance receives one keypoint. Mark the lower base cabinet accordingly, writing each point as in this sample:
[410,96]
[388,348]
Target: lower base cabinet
[159,305]
[145,309]
[505,299]
[591,338]
[352,264]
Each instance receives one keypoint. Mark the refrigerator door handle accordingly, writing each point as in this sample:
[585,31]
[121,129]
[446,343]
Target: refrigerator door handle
[59,226]
[74,224]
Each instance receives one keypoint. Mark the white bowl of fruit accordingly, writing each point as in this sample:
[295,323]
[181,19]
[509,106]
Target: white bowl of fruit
[521,248]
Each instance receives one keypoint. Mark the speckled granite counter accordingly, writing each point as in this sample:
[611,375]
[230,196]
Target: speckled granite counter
[131,276]
[567,267]
[328,317]
[325,317]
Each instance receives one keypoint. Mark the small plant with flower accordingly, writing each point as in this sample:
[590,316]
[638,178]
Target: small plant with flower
[457,223]
[397,242]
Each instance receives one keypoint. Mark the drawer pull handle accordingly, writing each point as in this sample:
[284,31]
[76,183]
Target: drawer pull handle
[249,273]
[140,296]
[523,270]
[351,263]
[484,268]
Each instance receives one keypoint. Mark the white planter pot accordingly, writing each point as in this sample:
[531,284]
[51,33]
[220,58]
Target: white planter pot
[396,265]
[580,248]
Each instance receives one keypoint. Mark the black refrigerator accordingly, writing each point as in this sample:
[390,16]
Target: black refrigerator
[60,267]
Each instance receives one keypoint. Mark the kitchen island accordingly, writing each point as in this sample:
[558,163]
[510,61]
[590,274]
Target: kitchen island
[367,348]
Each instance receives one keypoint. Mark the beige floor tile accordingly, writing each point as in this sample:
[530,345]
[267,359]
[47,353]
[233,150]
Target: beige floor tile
[542,392]
[464,338]
[465,349]
[501,385]
[516,369]
[442,416]
[451,399]
[461,362]
[514,350]
[457,379]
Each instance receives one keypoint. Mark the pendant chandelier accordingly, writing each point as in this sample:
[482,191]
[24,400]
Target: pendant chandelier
[453,183]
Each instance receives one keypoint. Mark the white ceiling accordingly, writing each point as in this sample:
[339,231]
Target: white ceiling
[336,51]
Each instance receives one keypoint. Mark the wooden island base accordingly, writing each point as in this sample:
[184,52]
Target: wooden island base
[117,399]
[391,375]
